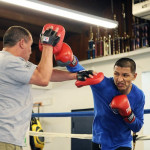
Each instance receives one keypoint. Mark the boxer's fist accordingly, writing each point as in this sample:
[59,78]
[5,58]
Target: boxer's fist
[83,78]
[53,35]
[65,57]
[121,104]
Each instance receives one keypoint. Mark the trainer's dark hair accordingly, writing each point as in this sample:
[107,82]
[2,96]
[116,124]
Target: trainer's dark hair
[15,34]
[126,62]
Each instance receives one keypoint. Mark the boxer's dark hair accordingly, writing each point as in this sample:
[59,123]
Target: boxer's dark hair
[15,34]
[126,62]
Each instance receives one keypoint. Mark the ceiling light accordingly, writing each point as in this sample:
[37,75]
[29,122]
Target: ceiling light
[64,12]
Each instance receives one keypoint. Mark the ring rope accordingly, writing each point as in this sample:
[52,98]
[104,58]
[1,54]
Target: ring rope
[64,135]
[72,114]
[143,137]
[66,114]
[77,136]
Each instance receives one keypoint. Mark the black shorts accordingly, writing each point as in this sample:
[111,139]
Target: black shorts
[96,146]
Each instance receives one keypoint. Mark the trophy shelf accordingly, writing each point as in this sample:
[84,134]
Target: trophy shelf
[116,56]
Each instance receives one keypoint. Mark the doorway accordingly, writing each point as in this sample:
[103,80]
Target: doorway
[81,125]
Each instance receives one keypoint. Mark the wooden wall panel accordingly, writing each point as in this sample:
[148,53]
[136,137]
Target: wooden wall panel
[76,32]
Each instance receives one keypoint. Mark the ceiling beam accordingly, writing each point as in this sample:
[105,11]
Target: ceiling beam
[27,16]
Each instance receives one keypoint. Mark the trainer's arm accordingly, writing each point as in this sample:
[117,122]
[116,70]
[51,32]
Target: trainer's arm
[59,75]
[43,72]
[48,41]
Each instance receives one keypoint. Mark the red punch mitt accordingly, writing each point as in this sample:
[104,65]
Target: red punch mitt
[60,32]
[90,81]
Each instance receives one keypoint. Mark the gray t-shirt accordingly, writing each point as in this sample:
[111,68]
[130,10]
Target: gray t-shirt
[15,98]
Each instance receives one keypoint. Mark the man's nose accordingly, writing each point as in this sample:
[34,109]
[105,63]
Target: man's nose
[120,78]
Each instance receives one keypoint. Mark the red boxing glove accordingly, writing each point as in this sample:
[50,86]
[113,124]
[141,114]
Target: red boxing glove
[61,32]
[65,57]
[122,105]
[90,81]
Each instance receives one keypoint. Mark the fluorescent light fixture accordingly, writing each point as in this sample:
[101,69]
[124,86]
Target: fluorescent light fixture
[64,12]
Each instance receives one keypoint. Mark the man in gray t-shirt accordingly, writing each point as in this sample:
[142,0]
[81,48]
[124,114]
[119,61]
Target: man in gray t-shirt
[16,76]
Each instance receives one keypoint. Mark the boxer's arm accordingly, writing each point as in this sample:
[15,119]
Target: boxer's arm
[66,58]
[139,113]
[76,68]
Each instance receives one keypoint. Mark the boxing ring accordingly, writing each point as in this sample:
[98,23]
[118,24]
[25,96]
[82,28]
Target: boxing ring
[78,136]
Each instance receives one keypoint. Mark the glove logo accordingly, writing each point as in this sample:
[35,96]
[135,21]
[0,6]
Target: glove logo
[74,61]
[131,117]
[45,38]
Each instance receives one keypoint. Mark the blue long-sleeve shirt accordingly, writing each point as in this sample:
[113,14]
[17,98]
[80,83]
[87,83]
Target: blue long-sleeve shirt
[109,129]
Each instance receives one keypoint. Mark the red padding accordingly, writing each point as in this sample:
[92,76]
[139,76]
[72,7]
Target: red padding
[91,81]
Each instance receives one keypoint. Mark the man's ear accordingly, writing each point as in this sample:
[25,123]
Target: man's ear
[21,43]
[134,76]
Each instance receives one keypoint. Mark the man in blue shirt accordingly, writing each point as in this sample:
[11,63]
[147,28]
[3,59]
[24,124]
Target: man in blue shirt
[118,105]
[111,129]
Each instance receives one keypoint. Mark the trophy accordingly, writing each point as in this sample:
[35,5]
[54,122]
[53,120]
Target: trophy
[91,45]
